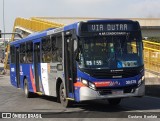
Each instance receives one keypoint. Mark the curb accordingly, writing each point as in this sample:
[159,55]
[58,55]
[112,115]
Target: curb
[152,90]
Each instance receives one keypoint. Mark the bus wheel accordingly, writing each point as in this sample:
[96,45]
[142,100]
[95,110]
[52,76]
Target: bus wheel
[62,96]
[114,101]
[26,89]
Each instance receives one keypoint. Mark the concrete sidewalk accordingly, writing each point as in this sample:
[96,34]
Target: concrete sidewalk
[152,82]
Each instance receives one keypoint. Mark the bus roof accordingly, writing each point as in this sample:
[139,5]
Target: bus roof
[111,20]
[50,31]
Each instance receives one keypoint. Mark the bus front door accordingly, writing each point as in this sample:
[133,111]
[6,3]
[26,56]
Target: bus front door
[37,65]
[17,67]
[69,66]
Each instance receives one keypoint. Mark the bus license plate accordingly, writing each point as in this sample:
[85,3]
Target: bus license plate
[117,92]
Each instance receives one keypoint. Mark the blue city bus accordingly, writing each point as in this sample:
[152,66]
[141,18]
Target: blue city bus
[87,60]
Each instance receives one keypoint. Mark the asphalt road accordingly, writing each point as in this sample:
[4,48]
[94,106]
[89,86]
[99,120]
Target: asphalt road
[13,100]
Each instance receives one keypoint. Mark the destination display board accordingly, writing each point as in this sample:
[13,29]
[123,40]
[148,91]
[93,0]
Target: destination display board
[107,28]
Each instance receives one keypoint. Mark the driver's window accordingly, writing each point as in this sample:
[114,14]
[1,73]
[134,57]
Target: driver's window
[131,47]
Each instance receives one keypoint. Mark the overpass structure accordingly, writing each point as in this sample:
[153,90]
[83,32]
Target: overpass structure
[150,28]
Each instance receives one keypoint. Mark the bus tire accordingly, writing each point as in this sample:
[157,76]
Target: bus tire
[26,89]
[114,101]
[62,97]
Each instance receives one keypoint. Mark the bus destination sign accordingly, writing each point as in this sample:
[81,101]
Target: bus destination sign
[109,27]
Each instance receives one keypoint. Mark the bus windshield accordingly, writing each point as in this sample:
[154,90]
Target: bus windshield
[112,52]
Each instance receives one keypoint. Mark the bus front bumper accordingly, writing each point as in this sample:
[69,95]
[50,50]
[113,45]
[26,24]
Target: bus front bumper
[89,94]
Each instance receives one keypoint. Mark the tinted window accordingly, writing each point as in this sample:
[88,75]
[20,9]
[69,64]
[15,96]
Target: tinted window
[57,49]
[22,53]
[52,49]
[46,50]
[12,52]
[29,52]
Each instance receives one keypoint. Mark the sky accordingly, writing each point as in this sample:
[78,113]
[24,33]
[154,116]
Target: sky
[76,8]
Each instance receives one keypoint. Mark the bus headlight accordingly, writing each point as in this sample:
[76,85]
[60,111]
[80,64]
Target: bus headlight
[88,84]
[85,82]
[141,80]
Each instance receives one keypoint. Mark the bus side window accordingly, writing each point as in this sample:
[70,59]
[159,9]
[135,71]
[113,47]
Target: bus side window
[57,49]
[22,53]
[131,47]
[46,50]
[29,52]
[54,49]
[12,50]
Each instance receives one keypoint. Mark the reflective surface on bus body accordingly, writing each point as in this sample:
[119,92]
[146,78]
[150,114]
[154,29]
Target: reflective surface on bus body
[110,52]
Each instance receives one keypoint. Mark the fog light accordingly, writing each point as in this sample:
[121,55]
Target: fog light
[92,86]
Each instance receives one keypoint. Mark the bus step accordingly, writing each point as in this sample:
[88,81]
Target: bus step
[39,93]
[69,98]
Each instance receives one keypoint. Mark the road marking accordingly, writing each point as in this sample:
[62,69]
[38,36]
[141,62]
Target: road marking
[152,97]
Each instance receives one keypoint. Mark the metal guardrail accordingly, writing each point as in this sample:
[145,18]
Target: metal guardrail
[152,56]
[152,45]
[35,24]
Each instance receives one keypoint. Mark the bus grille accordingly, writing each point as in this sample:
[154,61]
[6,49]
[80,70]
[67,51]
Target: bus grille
[103,91]
[102,73]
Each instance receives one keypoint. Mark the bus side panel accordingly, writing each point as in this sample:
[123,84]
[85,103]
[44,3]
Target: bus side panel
[13,75]
[77,93]
[21,73]
[40,79]
[53,76]
[32,85]
[26,70]
[44,78]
